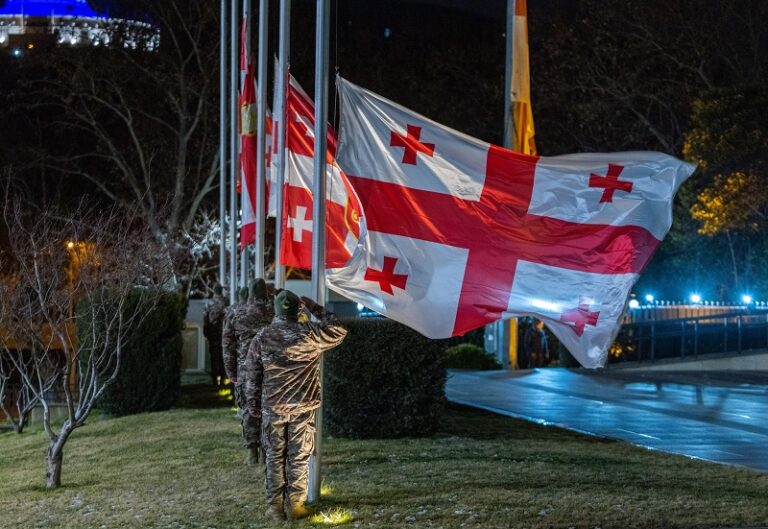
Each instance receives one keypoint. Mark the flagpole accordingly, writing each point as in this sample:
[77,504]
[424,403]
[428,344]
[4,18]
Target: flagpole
[234,161]
[509,119]
[280,115]
[223,146]
[322,31]
[261,132]
[507,329]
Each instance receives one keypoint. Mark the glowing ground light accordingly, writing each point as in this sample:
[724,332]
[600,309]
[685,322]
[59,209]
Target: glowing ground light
[695,298]
[333,517]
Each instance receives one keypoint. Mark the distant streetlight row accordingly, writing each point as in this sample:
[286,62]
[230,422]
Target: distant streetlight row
[696,299]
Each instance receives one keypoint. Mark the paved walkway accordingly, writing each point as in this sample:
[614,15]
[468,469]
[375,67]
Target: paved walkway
[715,416]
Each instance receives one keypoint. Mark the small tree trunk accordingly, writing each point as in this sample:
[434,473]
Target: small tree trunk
[23,418]
[54,457]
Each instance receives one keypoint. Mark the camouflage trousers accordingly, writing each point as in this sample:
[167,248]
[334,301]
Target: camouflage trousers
[217,362]
[288,442]
[251,424]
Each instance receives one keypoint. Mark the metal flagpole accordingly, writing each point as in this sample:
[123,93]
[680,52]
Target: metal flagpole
[261,132]
[509,118]
[318,208]
[280,114]
[223,145]
[246,46]
[234,162]
[507,329]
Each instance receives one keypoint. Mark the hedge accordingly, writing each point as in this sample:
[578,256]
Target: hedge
[385,380]
[150,376]
[470,356]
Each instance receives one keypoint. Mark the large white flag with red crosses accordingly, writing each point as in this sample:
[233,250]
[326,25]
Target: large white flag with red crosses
[342,206]
[461,233]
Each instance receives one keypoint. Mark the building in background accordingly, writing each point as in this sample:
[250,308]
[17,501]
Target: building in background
[27,26]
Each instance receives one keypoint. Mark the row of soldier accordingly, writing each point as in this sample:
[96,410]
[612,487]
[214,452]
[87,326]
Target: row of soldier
[269,347]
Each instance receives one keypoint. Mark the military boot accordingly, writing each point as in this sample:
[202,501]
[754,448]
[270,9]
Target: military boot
[298,511]
[276,512]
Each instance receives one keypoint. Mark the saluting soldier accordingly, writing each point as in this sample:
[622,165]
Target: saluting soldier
[284,388]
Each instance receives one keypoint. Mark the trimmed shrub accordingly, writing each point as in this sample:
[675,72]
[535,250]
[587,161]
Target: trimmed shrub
[150,376]
[475,336]
[469,356]
[385,380]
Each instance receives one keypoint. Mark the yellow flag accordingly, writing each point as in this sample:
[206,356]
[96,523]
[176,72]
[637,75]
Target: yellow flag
[521,84]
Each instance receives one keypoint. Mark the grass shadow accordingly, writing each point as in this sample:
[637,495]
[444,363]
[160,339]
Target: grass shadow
[66,486]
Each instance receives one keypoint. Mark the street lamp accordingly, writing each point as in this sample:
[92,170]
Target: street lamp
[695,298]
[746,299]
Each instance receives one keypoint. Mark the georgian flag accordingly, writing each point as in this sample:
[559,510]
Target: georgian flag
[342,206]
[461,233]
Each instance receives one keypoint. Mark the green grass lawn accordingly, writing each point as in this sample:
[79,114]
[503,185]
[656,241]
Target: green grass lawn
[184,469]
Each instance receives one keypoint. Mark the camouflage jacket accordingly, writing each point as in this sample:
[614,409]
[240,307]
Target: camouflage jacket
[239,329]
[284,364]
[213,319]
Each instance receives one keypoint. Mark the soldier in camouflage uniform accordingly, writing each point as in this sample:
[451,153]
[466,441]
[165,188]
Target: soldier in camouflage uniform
[285,358]
[252,315]
[228,338]
[213,327]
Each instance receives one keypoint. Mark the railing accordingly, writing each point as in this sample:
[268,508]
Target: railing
[685,337]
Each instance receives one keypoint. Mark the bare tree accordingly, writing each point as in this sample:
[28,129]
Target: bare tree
[138,126]
[84,281]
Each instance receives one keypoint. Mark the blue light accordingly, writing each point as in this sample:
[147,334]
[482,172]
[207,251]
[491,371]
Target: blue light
[649,298]
[633,304]
[17,52]
[746,299]
[695,298]
[360,306]
[46,8]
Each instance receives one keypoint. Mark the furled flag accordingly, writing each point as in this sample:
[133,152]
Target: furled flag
[270,147]
[522,114]
[460,233]
[247,182]
[342,206]
[270,151]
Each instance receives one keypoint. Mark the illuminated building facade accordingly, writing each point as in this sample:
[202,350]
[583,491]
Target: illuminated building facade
[26,25]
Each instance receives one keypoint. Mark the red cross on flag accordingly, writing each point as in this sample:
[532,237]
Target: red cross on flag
[460,233]
[342,206]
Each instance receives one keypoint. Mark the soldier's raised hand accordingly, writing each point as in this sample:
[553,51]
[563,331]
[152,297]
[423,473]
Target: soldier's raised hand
[309,303]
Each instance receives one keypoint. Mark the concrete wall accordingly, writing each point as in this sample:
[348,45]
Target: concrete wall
[748,361]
